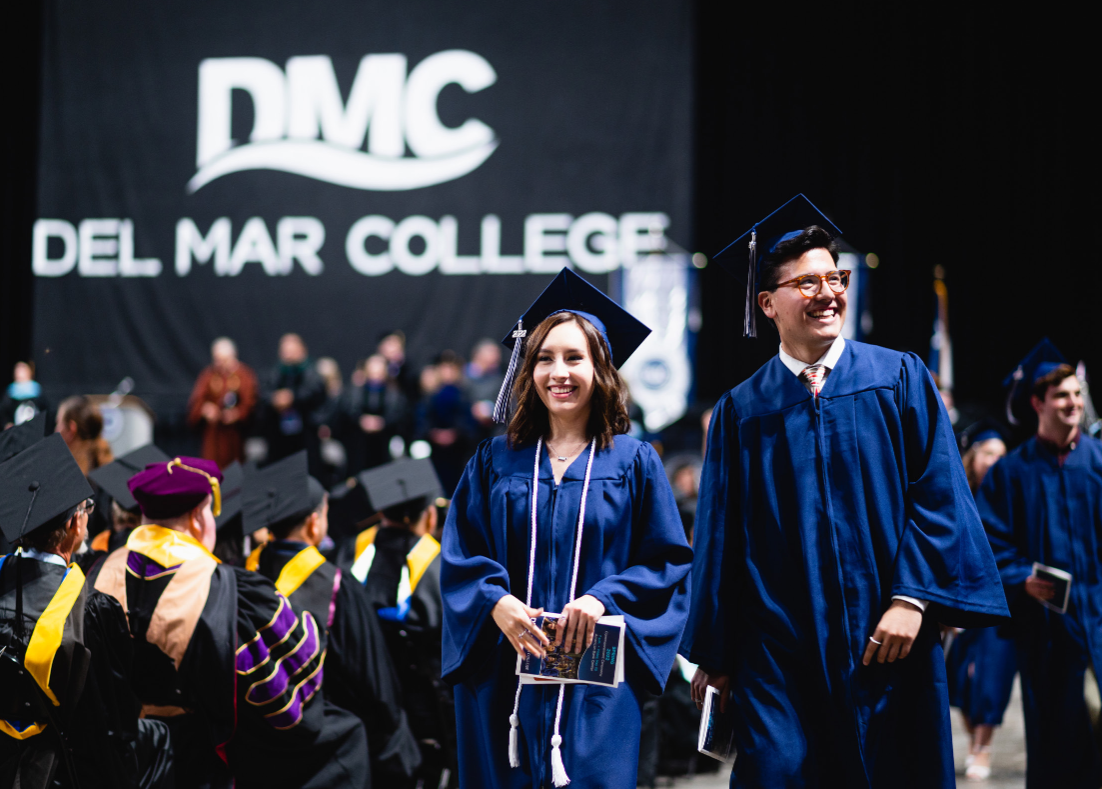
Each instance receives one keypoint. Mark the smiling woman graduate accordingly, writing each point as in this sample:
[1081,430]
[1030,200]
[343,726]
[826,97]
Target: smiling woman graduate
[835,529]
[564,514]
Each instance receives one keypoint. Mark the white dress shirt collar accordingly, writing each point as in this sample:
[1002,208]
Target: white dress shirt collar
[828,359]
[42,556]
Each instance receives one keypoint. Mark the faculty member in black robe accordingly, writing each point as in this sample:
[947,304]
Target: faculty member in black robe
[833,511]
[220,654]
[359,675]
[1043,503]
[67,712]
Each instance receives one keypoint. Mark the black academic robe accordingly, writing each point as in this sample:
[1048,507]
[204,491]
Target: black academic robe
[224,659]
[412,631]
[1036,509]
[813,513]
[359,674]
[89,675]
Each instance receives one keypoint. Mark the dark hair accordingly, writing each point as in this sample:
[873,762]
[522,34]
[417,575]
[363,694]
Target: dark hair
[608,413]
[280,529]
[50,534]
[82,411]
[813,237]
[407,512]
[1054,378]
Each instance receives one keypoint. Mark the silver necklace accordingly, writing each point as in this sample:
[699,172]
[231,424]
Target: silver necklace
[563,458]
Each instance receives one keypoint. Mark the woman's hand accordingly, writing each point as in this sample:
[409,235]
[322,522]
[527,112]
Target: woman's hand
[895,634]
[1040,589]
[577,623]
[514,619]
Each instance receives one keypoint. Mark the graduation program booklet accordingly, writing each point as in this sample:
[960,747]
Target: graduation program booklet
[601,664]
[717,730]
[1058,578]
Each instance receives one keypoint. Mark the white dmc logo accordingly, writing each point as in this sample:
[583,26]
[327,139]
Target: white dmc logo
[384,106]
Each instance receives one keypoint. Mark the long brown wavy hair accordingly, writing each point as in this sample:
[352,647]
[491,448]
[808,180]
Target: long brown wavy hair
[608,413]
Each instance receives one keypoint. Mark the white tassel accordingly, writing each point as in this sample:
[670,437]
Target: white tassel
[558,771]
[514,724]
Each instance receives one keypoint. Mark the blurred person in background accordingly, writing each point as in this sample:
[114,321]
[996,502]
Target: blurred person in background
[292,392]
[332,423]
[23,399]
[1042,503]
[80,423]
[444,419]
[377,410]
[981,664]
[222,402]
[484,377]
[392,347]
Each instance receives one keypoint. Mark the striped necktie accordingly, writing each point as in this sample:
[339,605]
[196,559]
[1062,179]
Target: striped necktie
[813,377]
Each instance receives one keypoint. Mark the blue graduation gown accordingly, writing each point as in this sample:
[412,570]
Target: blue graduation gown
[981,666]
[634,559]
[1034,509]
[813,512]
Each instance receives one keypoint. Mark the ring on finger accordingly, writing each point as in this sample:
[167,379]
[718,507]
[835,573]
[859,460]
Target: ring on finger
[878,643]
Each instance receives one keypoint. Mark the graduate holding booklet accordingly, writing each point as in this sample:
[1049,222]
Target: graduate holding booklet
[1042,508]
[564,514]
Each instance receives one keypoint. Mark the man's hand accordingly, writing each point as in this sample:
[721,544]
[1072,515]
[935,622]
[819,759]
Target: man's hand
[895,634]
[209,411]
[699,687]
[282,399]
[372,423]
[514,619]
[578,621]
[1039,588]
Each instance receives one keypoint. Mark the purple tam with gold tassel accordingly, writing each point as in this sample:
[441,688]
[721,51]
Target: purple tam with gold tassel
[169,489]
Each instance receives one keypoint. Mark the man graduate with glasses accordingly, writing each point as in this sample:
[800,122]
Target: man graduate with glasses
[1042,507]
[835,529]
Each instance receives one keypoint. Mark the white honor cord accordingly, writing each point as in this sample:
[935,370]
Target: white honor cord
[558,771]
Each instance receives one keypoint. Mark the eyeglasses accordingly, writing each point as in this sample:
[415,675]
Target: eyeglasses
[88,505]
[811,284]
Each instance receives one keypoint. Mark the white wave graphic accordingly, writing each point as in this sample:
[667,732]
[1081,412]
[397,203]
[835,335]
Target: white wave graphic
[341,166]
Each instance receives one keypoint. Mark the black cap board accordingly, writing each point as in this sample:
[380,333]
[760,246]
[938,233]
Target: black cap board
[399,482]
[15,439]
[37,485]
[568,292]
[747,252]
[278,493]
[113,476]
[233,480]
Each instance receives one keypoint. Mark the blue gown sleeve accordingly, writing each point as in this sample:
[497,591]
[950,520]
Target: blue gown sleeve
[995,504]
[471,582]
[943,554]
[717,553]
[653,593]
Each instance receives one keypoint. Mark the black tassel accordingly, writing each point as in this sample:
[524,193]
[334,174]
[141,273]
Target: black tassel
[750,319]
[501,406]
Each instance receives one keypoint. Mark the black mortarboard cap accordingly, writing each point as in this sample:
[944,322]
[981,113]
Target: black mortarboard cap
[785,223]
[568,292]
[113,476]
[233,480]
[37,485]
[1039,362]
[15,439]
[278,493]
[399,482]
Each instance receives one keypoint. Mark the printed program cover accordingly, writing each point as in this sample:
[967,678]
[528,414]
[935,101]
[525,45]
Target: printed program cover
[717,732]
[1058,578]
[601,664]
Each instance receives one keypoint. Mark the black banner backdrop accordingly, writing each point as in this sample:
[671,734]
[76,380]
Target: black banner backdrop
[339,169]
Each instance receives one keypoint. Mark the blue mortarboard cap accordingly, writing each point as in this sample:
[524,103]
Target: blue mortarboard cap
[113,476]
[568,292]
[1039,362]
[983,430]
[15,439]
[758,242]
